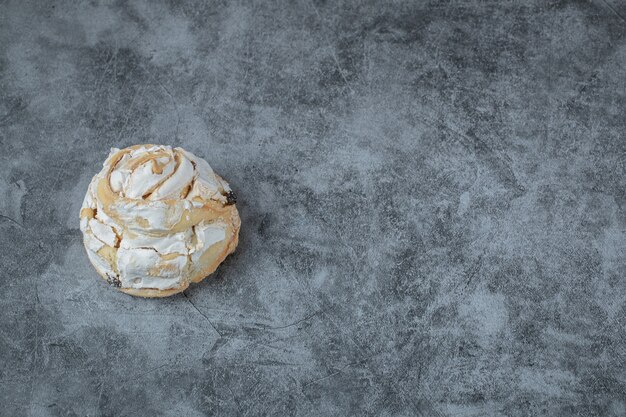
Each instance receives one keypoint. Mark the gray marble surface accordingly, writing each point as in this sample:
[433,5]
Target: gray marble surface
[432,195]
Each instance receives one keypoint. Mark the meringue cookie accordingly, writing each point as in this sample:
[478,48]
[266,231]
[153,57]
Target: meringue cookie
[157,218]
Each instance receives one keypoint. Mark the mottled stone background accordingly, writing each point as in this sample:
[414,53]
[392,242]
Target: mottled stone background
[433,198]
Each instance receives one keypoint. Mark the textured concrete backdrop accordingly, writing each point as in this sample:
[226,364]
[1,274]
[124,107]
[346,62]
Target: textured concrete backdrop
[432,194]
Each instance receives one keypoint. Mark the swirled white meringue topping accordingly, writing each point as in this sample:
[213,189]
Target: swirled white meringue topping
[129,237]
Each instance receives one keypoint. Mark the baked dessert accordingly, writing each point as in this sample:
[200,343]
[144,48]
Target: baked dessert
[156,219]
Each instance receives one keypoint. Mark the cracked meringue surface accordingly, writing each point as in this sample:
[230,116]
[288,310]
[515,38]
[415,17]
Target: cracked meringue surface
[157,218]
